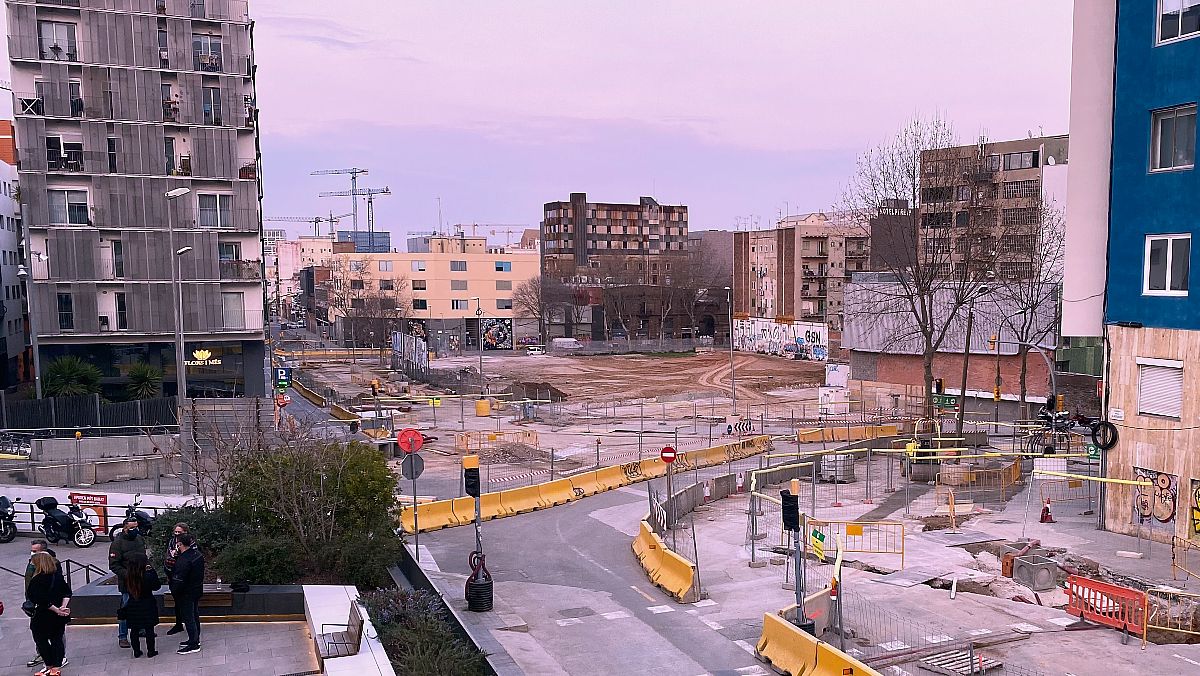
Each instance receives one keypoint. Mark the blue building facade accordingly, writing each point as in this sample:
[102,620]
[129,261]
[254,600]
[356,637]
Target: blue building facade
[1155,190]
[379,241]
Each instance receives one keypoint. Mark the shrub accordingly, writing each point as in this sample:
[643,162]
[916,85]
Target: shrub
[416,631]
[363,560]
[70,376]
[258,560]
[145,381]
[213,530]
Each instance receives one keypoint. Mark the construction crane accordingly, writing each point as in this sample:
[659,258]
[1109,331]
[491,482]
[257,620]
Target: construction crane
[315,220]
[354,173]
[507,228]
[370,194]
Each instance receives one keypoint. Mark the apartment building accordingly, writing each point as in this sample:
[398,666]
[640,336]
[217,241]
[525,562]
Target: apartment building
[595,241]
[444,293]
[1132,201]
[367,241]
[116,108]
[981,205]
[797,271]
[14,360]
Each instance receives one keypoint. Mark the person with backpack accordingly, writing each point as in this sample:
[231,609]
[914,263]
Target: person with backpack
[140,612]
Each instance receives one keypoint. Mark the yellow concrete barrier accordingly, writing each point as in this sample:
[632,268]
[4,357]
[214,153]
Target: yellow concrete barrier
[643,542]
[521,500]
[308,394]
[798,653]
[678,578]
[430,516]
[491,506]
[653,468]
[585,484]
[652,564]
[557,492]
[609,478]
[341,413]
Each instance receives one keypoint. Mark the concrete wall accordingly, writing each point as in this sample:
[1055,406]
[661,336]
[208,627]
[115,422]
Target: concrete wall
[94,448]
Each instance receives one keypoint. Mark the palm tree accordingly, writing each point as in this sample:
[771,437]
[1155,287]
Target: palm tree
[71,376]
[145,381]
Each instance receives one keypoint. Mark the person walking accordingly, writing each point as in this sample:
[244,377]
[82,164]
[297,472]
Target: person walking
[140,612]
[169,565]
[35,547]
[187,584]
[127,543]
[51,597]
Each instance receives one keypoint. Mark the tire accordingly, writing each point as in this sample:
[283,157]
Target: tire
[84,537]
[1105,435]
[112,532]
[8,532]
[51,535]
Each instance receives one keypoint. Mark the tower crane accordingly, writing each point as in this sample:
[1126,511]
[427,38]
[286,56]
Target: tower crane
[354,173]
[507,228]
[370,194]
[315,220]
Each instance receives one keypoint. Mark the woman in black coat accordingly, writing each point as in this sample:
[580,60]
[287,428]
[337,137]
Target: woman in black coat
[141,611]
[51,596]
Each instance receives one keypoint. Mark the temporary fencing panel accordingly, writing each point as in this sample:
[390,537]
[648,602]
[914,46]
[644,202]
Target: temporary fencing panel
[1172,609]
[1111,605]
[863,537]
[1065,490]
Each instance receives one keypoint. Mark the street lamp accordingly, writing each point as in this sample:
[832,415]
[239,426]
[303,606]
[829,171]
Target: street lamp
[177,285]
[479,326]
[25,277]
[979,291]
[732,373]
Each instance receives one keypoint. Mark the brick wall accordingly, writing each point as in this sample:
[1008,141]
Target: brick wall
[8,145]
[903,369]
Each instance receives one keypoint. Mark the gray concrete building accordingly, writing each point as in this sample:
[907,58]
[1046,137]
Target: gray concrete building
[118,102]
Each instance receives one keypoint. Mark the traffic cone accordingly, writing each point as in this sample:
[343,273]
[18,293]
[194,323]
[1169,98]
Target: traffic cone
[1047,517]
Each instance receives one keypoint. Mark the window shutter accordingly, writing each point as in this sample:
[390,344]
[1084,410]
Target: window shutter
[1160,390]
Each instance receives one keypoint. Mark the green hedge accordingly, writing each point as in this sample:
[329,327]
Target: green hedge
[418,635]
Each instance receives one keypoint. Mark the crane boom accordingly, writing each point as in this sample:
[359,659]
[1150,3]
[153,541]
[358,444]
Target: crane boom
[354,173]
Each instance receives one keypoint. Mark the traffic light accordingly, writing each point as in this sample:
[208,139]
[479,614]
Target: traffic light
[471,475]
[1060,402]
[992,340]
[938,386]
[791,510]
[996,393]
[375,387]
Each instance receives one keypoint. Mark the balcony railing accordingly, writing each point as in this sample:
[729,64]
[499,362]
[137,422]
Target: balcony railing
[241,270]
[857,253]
[171,111]
[55,51]
[206,62]
[248,171]
[71,160]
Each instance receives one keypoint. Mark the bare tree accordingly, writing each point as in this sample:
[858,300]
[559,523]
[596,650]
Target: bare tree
[370,308]
[621,291]
[693,278]
[949,257]
[539,297]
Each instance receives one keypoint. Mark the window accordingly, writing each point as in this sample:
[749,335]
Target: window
[942,193]
[504,285]
[233,311]
[1178,19]
[420,304]
[206,53]
[169,147]
[122,312]
[1014,189]
[458,285]
[216,210]
[503,303]
[503,266]
[212,105]
[1160,387]
[1021,216]
[357,284]
[460,305]
[68,207]
[118,252]
[162,46]
[357,266]
[385,266]
[962,193]
[229,251]
[458,266]
[1168,261]
[418,266]
[387,285]
[56,41]
[1026,160]
[937,219]
[1174,138]
[66,312]
[419,285]
[114,150]
[358,303]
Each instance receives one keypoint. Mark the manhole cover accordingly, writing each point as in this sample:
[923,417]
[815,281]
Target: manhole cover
[576,612]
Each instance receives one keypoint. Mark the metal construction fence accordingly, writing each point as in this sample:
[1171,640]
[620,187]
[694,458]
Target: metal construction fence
[89,414]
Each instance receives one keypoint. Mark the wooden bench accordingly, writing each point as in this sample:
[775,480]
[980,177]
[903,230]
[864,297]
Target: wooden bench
[341,643]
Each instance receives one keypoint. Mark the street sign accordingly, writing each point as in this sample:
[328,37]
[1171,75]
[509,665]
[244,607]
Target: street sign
[818,543]
[667,454]
[282,400]
[945,400]
[411,466]
[1093,452]
[283,377]
[409,440]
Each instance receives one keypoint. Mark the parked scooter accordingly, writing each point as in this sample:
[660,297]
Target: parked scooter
[8,520]
[144,520]
[72,525]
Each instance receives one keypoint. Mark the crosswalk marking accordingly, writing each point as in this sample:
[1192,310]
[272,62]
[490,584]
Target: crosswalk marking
[661,609]
[615,615]
[568,621]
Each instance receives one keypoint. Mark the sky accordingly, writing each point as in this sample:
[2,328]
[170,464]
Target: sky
[738,110]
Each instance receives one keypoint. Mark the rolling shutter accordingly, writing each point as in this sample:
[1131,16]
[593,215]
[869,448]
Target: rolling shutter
[1160,390]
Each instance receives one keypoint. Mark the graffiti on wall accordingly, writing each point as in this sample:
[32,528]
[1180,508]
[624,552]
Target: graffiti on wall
[497,333]
[416,327]
[799,340]
[1154,505]
[1195,508]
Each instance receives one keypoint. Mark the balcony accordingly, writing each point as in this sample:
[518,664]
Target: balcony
[69,161]
[248,171]
[206,62]
[249,271]
[58,51]
[30,104]
[170,111]
[857,253]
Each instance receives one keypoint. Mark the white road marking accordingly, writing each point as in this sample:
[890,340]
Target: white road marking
[568,621]
[1185,659]
[979,632]
[615,615]
[894,645]
[938,638]
[661,609]
[744,646]
[715,626]
[693,611]
[898,671]
[751,671]
[644,594]
[704,603]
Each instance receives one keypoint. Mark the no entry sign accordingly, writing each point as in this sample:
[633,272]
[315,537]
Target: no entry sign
[667,454]
[409,440]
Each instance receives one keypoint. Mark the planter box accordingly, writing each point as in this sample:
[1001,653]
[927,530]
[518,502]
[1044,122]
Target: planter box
[97,603]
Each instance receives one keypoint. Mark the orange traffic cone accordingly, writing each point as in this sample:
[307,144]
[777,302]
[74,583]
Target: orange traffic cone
[1047,517]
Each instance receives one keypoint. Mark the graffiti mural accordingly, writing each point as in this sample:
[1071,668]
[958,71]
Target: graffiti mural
[799,340]
[416,327]
[1154,505]
[497,333]
[1195,508]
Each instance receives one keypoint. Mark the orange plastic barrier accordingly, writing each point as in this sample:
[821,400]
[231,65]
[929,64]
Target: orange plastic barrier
[1113,606]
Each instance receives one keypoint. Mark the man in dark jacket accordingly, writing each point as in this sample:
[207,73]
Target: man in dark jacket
[187,585]
[127,543]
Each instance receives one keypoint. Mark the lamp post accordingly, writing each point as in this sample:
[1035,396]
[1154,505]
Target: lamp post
[732,373]
[27,278]
[180,367]
[981,290]
[479,327]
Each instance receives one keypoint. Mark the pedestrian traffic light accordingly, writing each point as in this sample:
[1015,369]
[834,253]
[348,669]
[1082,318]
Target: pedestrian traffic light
[938,386]
[996,393]
[992,340]
[791,510]
[470,465]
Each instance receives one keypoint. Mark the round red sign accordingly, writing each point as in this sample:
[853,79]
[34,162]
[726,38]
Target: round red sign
[409,440]
[667,454]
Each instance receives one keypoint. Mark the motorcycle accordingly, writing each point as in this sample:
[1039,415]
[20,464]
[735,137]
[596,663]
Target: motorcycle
[72,524]
[1104,434]
[144,520]
[8,517]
